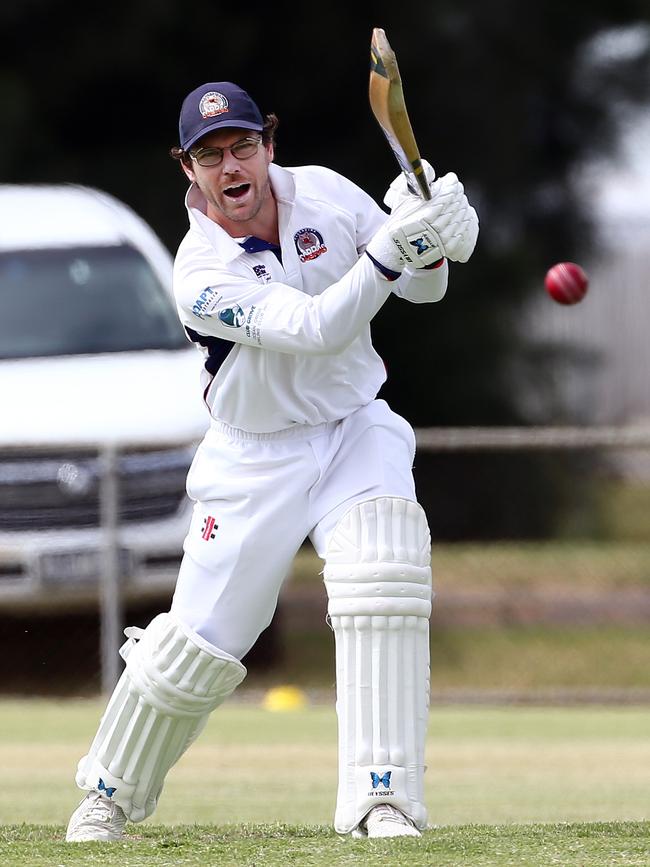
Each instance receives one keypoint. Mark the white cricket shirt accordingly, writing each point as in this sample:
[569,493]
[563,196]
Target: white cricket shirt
[288,342]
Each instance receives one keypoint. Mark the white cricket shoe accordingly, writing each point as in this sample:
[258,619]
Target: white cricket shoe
[96,818]
[386,821]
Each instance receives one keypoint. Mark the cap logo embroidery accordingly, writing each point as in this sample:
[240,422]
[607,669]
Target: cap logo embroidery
[212,104]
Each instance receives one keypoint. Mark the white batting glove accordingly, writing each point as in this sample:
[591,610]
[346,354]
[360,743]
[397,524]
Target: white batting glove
[420,233]
[454,222]
[390,247]
[399,192]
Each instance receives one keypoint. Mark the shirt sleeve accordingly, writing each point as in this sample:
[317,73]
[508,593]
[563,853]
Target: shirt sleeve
[367,214]
[370,218]
[214,301]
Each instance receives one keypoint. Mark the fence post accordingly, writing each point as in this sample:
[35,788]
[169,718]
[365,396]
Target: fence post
[110,596]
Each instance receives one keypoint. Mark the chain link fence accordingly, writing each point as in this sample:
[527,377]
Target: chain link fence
[91,539]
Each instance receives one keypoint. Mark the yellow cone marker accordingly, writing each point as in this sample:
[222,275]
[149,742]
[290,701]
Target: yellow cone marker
[284,698]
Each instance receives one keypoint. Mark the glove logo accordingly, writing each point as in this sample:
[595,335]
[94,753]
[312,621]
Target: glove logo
[309,244]
[420,245]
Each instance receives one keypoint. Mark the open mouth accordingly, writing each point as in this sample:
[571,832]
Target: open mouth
[237,192]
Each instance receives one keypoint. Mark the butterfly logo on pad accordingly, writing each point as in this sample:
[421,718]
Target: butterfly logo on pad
[376,779]
[102,787]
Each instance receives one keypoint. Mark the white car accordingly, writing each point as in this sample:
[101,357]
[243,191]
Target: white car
[91,352]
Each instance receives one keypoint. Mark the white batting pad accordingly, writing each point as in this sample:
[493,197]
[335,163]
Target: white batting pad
[378,579]
[172,682]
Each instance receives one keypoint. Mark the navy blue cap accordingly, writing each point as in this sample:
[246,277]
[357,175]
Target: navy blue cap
[213,106]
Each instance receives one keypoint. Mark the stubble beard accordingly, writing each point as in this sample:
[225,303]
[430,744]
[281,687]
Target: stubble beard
[229,209]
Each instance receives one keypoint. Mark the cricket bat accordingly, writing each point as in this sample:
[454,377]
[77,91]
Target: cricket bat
[388,106]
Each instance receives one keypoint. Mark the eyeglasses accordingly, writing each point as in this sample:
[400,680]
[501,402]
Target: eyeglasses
[242,150]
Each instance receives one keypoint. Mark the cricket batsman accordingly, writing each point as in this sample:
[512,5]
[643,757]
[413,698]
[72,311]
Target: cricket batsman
[276,281]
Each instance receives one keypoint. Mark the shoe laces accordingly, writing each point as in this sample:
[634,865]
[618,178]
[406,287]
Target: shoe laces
[386,813]
[100,809]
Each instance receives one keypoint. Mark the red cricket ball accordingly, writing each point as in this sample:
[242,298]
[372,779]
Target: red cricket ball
[566,283]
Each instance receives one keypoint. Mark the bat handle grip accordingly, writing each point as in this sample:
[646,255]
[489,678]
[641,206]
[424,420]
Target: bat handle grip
[421,181]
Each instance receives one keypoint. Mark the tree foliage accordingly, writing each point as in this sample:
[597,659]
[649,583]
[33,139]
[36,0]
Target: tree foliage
[510,97]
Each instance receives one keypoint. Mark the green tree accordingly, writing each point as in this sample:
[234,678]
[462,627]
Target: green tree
[505,94]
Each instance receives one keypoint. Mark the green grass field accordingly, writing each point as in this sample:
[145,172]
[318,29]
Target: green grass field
[505,786]
[622,844]
[516,659]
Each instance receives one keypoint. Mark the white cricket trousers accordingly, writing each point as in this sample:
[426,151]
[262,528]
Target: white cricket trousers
[258,496]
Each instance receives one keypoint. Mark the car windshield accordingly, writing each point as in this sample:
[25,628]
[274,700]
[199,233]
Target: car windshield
[82,300]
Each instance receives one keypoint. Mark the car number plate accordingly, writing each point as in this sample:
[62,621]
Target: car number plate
[85,567]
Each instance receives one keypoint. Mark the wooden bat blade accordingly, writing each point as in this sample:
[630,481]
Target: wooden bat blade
[389,108]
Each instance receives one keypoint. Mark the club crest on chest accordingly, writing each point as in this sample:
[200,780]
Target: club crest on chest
[309,244]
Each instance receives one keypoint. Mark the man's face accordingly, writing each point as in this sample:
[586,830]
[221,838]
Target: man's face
[236,188]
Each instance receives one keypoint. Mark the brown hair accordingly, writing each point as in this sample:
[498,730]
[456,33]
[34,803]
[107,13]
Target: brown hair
[268,137]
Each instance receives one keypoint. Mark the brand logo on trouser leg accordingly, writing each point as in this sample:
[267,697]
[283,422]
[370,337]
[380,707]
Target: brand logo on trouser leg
[209,529]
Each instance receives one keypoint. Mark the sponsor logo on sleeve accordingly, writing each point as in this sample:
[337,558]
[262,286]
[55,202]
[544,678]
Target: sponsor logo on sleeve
[309,244]
[206,302]
[254,320]
[233,317]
